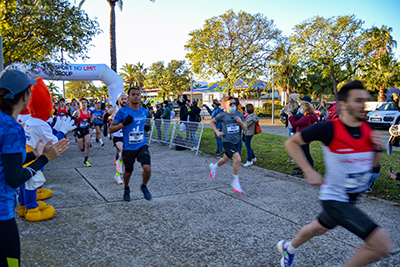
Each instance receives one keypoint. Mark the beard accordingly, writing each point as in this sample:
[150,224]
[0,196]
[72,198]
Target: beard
[123,104]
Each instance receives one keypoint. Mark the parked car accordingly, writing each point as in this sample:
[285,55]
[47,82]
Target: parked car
[332,112]
[385,115]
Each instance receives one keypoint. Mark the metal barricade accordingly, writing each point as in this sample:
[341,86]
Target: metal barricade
[187,134]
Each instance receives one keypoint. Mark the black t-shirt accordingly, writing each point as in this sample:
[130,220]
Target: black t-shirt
[323,131]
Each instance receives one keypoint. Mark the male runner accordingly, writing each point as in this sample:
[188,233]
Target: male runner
[352,149]
[82,120]
[132,119]
[117,137]
[231,123]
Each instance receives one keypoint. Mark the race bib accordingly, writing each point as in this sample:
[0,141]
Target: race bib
[83,124]
[357,182]
[135,137]
[232,128]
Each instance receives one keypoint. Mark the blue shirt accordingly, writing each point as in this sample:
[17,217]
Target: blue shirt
[12,141]
[98,113]
[134,136]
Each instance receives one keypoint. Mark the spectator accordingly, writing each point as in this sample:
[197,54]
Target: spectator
[306,120]
[216,110]
[74,106]
[157,118]
[166,120]
[194,116]
[239,108]
[293,106]
[322,109]
[251,121]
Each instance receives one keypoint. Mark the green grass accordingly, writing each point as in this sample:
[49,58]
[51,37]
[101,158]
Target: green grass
[272,155]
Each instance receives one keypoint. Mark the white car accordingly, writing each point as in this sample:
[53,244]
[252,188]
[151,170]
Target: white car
[385,115]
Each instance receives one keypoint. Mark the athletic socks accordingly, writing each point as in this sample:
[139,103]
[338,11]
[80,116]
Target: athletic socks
[290,248]
[236,178]
[86,159]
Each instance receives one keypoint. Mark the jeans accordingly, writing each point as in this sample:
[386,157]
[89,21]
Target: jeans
[219,143]
[247,143]
[289,131]
[158,126]
[194,138]
[166,126]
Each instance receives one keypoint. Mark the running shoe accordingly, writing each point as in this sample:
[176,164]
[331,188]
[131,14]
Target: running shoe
[146,192]
[87,164]
[236,187]
[115,161]
[287,258]
[248,164]
[118,166]
[254,160]
[118,178]
[212,171]
[127,194]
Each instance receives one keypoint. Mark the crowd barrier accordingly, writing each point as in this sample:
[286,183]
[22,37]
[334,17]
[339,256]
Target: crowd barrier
[179,134]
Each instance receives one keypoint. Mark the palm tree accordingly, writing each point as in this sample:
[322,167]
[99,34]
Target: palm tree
[113,49]
[380,41]
[133,74]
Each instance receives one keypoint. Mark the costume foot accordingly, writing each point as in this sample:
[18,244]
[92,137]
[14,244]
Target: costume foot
[43,193]
[22,210]
[35,215]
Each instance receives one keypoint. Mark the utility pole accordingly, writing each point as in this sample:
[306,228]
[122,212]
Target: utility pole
[1,53]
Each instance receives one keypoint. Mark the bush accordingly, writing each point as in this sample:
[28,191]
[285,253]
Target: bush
[266,110]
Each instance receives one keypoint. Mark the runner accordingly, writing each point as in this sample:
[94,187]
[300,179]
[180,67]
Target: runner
[351,150]
[231,123]
[62,108]
[98,115]
[132,119]
[14,97]
[118,137]
[82,133]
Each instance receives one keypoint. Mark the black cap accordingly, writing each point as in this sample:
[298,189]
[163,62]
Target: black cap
[14,81]
[306,98]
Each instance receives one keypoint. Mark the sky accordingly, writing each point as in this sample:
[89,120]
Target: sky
[148,32]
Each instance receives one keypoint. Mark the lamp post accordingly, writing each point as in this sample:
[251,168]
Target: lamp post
[1,53]
[191,88]
[273,62]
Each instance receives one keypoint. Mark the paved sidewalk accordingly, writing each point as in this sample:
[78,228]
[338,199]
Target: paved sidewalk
[192,219]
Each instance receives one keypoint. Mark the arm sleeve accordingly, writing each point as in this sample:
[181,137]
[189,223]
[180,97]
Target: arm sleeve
[209,110]
[29,157]
[322,131]
[296,123]
[16,175]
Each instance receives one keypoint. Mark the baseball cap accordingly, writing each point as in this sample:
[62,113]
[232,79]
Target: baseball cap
[306,98]
[14,81]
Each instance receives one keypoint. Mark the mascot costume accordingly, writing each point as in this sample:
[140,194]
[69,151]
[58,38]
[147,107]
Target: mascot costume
[36,128]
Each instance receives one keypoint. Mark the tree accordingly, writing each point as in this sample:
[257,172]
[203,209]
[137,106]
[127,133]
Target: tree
[53,89]
[133,74]
[336,44]
[232,46]
[382,73]
[171,79]
[113,46]
[36,31]
[78,89]
[380,41]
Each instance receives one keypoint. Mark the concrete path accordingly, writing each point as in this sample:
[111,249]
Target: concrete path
[192,219]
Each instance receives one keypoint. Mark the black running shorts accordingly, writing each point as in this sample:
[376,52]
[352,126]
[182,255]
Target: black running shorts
[129,156]
[348,216]
[81,132]
[97,124]
[230,149]
[117,139]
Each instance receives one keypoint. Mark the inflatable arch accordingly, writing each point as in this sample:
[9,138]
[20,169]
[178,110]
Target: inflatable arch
[78,72]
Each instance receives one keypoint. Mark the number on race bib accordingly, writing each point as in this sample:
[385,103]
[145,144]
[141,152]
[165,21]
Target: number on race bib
[232,128]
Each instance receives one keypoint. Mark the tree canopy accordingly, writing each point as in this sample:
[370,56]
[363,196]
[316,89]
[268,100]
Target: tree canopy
[133,74]
[232,46]
[78,89]
[171,79]
[37,31]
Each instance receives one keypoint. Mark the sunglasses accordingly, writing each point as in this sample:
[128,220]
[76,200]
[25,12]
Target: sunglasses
[232,104]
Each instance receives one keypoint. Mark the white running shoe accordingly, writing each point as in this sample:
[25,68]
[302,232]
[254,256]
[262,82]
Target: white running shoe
[118,167]
[248,164]
[254,160]
[118,179]
[236,187]
[212,171]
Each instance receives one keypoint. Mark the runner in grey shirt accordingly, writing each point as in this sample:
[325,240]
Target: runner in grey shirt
[231,122]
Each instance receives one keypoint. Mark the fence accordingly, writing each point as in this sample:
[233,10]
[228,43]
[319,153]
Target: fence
[180,134]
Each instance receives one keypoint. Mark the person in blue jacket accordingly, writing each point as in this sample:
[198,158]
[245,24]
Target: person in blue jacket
[216,110]
[15,89]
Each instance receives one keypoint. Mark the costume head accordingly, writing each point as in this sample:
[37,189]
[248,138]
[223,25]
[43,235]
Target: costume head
[41,105]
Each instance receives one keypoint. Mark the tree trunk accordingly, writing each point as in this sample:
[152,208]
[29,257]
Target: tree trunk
[113,48]
[382,94]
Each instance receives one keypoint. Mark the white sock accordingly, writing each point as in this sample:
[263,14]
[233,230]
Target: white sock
[215,166]
[290,248]
[101,141]
[236,178]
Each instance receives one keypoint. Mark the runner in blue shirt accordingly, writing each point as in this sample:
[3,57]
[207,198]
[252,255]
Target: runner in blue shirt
[131,119]
[14,97]
[98,115]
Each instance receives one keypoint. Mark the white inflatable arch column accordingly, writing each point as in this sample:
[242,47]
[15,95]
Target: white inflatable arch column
[78,72]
